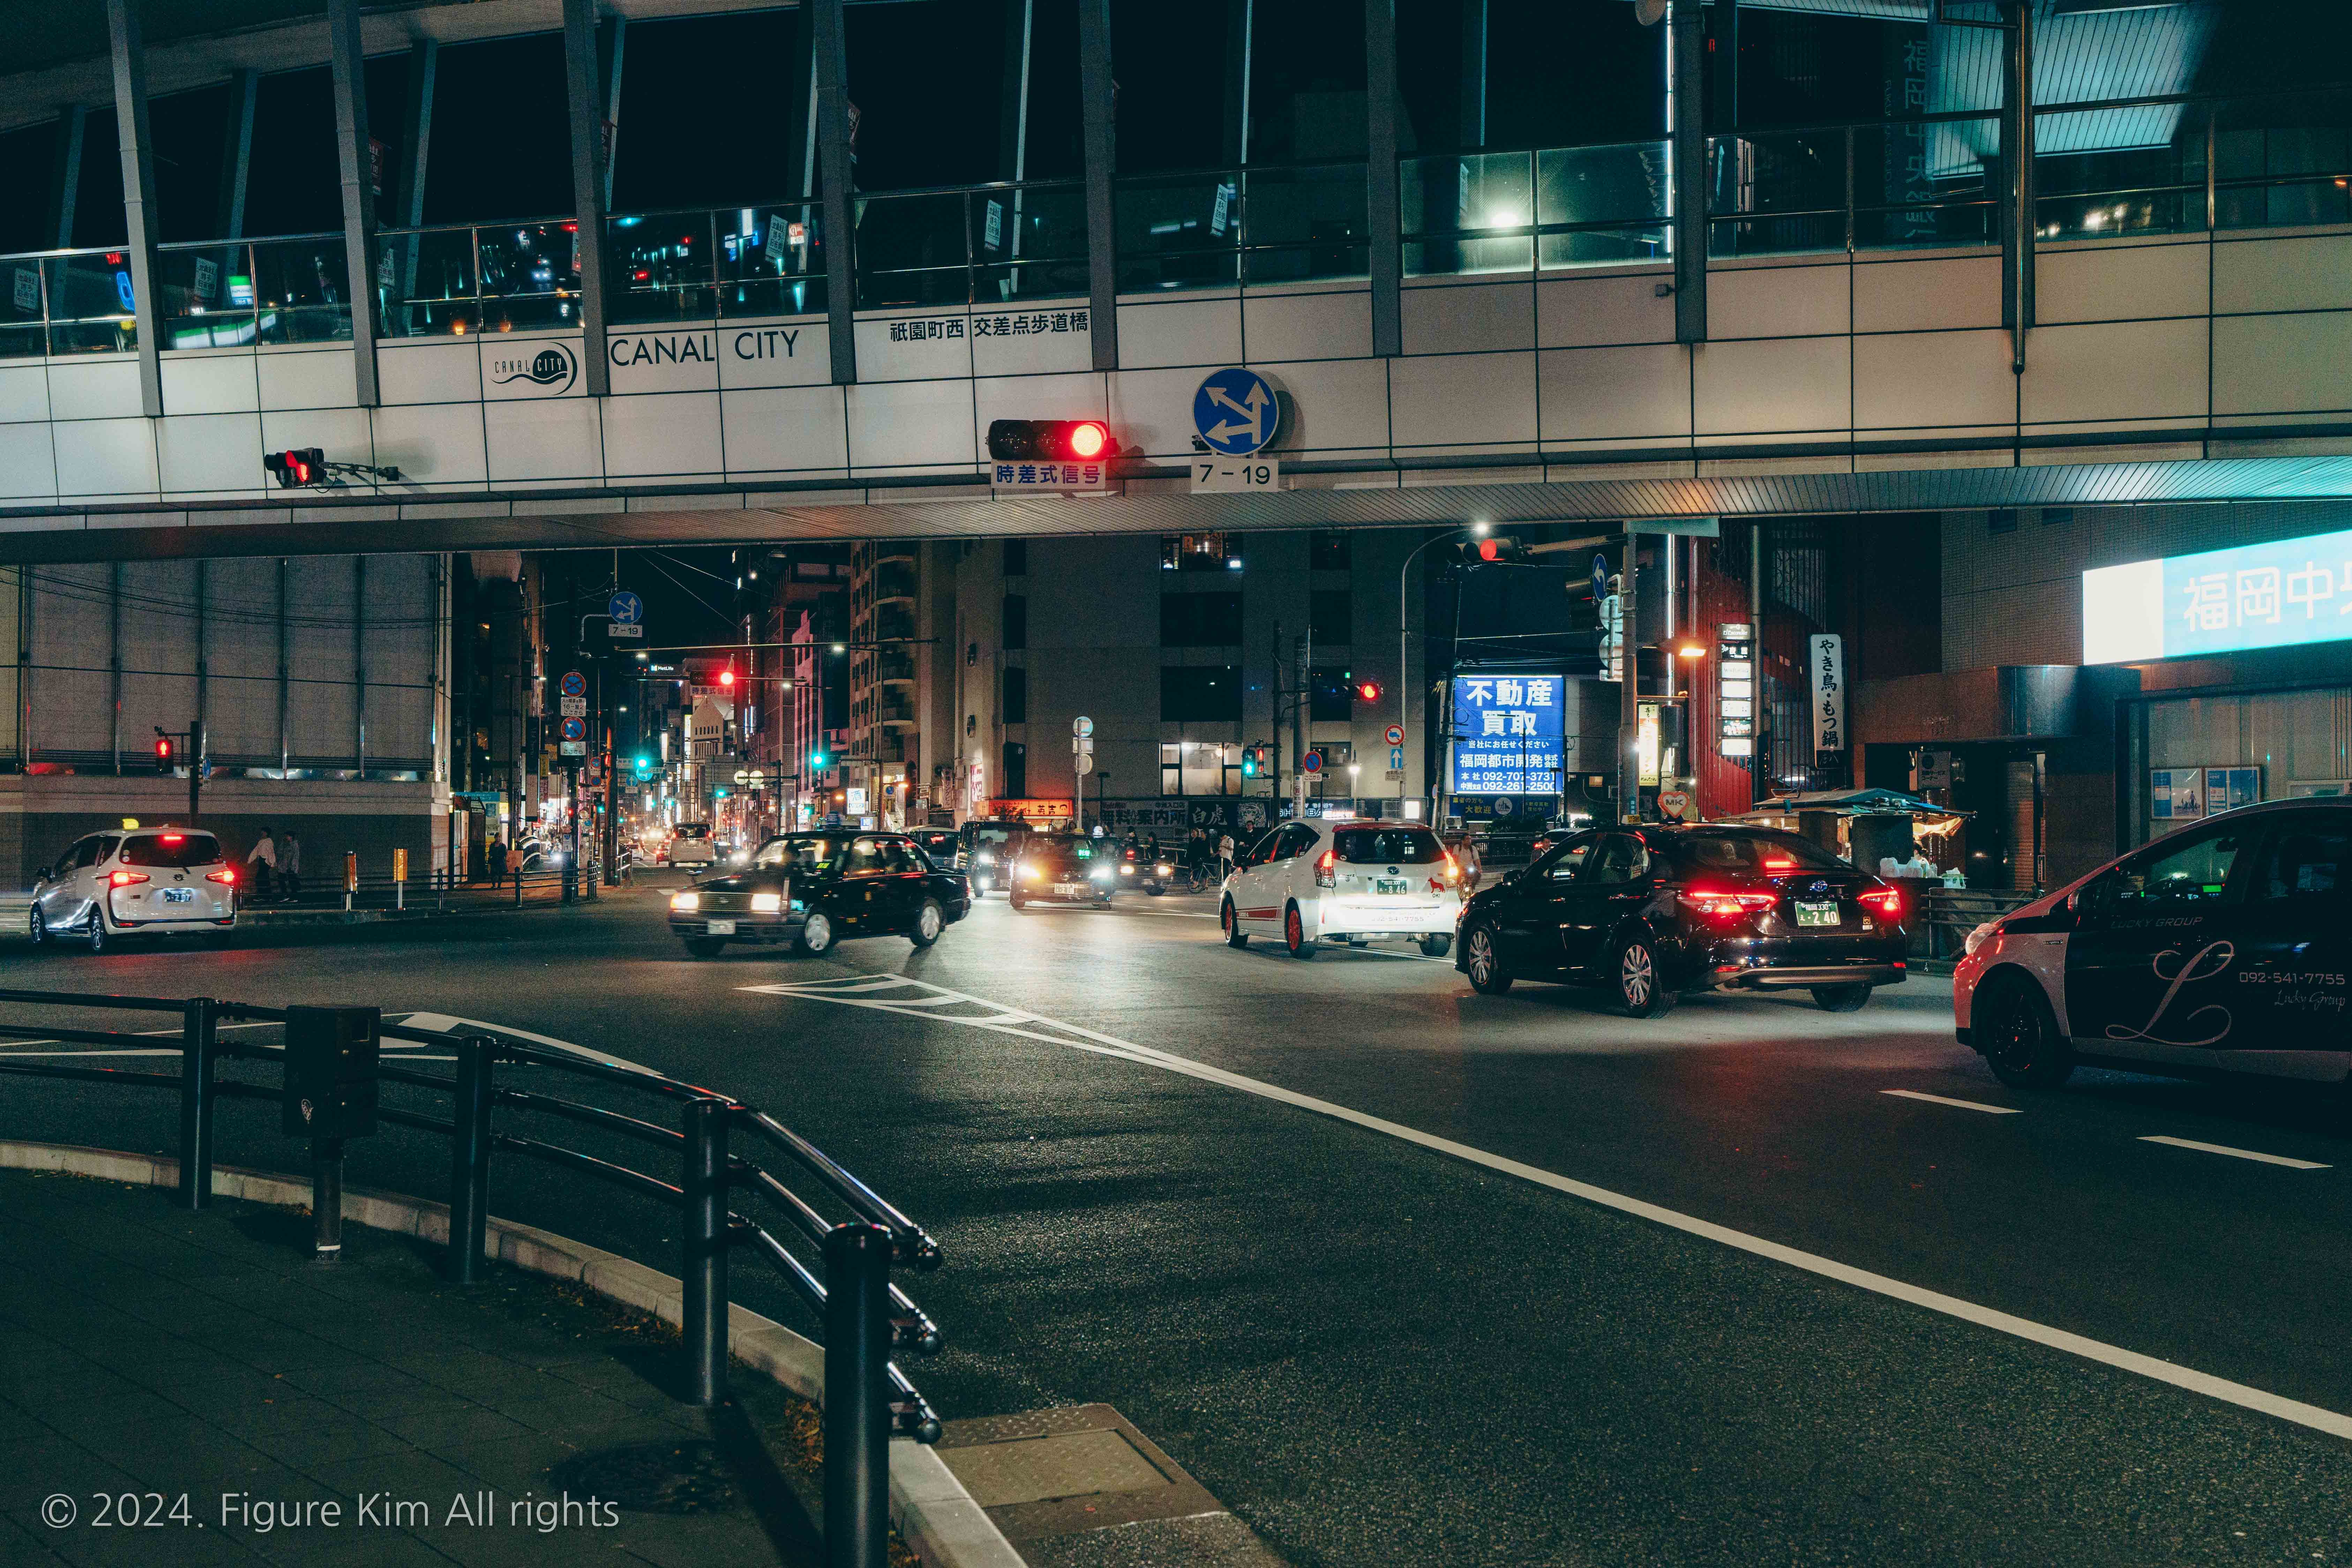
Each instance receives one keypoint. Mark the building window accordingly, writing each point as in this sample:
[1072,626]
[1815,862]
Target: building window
[1172,768]
[1328,552]
[1200,620]
[1017,558]
[1016,620]
[1330,613]
[1016,696]
[2001,521]
[1016,769]
[1201,551]
[1207,694]
[1200,767]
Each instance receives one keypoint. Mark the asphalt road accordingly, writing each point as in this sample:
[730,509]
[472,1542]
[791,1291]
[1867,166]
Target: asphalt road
[1410,1336]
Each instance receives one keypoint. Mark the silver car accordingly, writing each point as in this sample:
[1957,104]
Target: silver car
[141,882]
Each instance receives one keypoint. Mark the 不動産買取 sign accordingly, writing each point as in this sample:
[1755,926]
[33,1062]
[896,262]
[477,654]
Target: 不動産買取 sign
[1507,733]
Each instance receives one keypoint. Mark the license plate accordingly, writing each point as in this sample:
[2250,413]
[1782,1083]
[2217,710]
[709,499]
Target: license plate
[179,895]
[1069,889]
[721,927]
[1391,885]
[1817,914]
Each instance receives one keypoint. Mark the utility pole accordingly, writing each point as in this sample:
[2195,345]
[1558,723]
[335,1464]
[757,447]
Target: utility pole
[1273,812]
[1302,713]
[1629,761]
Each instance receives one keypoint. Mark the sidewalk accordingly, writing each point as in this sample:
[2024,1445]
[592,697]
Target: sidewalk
[366,1413]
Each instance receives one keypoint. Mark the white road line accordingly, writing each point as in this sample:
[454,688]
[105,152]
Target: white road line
[2147,1366]
[444,1024]
[2236,1153]
[1963,1104]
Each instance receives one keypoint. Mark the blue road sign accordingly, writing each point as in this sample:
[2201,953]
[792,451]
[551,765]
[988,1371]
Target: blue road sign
[1234,412]
[1312,762]
[1599,578]
[575,728]
[627,608]
[575,684]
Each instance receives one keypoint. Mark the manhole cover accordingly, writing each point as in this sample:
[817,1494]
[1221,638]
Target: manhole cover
[654,1478]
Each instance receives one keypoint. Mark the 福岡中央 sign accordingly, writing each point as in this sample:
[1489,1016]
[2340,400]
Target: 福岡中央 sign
[2291,591]
[1507,732]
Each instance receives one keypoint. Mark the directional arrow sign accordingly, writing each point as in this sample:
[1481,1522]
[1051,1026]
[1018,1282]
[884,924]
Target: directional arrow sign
[1234,412]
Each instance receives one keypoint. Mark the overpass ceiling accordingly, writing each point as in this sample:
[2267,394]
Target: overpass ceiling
[557,520]
[55,51]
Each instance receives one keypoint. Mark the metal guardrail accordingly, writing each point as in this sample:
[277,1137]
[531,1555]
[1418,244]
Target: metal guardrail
[864,1316]
[1947,915]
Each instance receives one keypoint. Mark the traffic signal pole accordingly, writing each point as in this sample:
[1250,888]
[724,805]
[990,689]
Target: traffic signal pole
[1629,717]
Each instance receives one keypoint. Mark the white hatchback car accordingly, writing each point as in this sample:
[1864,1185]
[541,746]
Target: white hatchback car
[145,881]
[1352,883]
[692,846]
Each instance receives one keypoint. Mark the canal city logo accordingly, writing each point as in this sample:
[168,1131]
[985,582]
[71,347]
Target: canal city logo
[552,365]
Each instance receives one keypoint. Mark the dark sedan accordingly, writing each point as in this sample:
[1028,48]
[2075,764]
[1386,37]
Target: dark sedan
[1065,866]
[811,889]
[1653,913]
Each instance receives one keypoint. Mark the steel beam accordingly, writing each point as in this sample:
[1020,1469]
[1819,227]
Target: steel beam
[130,60]
[1383,220]
[415,154]
[1474,73]
[1098,102]
[347,65]
[829,43]
[2017,203]
[236,154]
[587,117]
[611,47]
[1685,68]
[72,127]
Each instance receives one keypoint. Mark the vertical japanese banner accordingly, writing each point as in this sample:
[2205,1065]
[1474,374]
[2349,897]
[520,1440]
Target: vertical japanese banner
[1826,654]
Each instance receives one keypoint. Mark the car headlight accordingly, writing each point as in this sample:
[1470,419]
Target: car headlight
[1102,873]
[686,900]
[1979,937]
[1031,873]
[1163,870]
[767,903]
[1127,870]
[984,859]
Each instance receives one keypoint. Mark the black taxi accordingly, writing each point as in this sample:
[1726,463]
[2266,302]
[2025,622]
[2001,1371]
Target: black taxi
[811,889]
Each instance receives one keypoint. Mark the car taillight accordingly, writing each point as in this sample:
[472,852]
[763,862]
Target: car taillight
[1724,906]
[1326,869]
[124,878]
[1887,902]
[225,874]
[1453,868]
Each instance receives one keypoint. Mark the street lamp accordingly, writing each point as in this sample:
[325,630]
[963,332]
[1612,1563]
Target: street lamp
[1476,530]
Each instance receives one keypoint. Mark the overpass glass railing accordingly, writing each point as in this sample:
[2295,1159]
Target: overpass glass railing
[1225,228]
[1508,212]
[981,245]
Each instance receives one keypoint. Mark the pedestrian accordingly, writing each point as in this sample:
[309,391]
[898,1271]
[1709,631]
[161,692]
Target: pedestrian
[1465,854]
[263,858]
[497,858]
[289,865]
[1225,856]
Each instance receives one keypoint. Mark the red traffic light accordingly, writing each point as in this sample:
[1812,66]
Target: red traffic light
[1496,552]
[163,753]
[726,677]
[1048,441]
[303,465]
[1368,691]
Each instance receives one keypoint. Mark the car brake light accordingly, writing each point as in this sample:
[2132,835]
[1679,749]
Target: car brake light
[1780,865]
[1325,874]
[124,878]
[1887,902]
[1724,905]
[225,874]
[173,837]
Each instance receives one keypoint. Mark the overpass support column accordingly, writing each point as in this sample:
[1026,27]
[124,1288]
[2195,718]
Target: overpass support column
[347,63]
[415,154]
[829,44]
[1685,75]
[1382,216]
[586,113]
[72,123]
[1095,93]
[130,60]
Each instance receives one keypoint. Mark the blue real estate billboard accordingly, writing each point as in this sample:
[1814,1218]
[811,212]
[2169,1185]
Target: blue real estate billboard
[1507,731]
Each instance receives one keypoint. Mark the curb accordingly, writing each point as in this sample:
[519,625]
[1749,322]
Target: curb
[935,1516]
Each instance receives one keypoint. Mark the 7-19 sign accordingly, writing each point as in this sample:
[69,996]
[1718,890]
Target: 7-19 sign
[1213,474]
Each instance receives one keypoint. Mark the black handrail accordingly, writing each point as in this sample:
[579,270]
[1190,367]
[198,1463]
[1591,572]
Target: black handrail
[864,1315]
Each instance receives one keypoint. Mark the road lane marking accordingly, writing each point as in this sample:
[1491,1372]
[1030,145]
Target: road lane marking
[1963,1104]
[2236,1153]
[1015,1021]
[444,1024]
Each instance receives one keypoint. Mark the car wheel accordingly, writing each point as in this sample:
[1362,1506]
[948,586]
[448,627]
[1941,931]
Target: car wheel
[1841,998]
[1437,943]
[40,928]
[97,931]
[2020,1040]
[705,946]
[1015,899]
[1293,934]
[1232,921]
[1641,989]
[1482,958]
[1154,888]
[930,921]
[816,933]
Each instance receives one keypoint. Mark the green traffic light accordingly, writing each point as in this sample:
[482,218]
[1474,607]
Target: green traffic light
[816,758]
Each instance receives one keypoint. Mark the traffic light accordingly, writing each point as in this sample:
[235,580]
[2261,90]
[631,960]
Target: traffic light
[1366,690]
[1249,762]
[163,753]
[726,678]
[1496,551]
[1048,441]
[816,758]
[294,469]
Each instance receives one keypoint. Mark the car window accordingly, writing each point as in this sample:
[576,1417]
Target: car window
[178,849]
[1259,853]
[1388,845]
[1566,858]
[1750,851]
[1303,839]
[898,856]
[2307,863]
[85,852]
[2170,875]
[865,858]
[804,854]
[1618,857]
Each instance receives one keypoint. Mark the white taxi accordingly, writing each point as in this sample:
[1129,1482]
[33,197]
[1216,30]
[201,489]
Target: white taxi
[150,881]
[1344,883]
